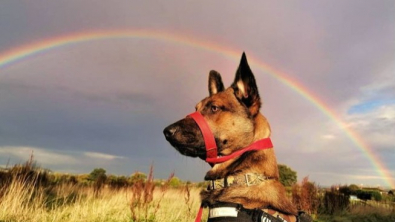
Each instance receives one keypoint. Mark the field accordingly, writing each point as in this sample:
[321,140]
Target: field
[70,203]
[30,195]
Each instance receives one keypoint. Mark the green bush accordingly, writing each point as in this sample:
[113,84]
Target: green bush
[376,195]
[288,177]
[175,182]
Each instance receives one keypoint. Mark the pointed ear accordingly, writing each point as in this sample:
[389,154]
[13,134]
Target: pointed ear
[245,87]
[215,84]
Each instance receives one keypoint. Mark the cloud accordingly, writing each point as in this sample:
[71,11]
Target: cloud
[55,157]
[43,156]
[328,136]
[354,175]
[97,155]
[113,96]
[375,94]
[369,106]
[376,126]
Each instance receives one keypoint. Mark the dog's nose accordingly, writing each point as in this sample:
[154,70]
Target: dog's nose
[169,131]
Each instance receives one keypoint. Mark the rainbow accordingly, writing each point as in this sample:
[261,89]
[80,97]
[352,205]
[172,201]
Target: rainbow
[18,54]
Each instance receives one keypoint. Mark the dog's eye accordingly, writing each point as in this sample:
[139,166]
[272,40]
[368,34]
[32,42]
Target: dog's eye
[214,108]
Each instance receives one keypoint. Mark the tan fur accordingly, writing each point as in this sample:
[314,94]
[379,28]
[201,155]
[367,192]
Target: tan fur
[269,193]
[238,127]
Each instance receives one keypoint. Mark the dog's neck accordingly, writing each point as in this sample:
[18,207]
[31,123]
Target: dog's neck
[262,128]
[265,159]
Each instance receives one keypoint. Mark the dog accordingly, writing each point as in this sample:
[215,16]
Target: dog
[244,181]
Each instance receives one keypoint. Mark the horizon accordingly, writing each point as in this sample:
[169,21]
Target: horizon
[299,179]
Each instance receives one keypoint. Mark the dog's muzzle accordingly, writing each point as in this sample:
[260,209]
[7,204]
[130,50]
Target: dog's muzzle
[208,136]
[211,146]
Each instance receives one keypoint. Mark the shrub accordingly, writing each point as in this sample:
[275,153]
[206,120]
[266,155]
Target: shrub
[288,177]
[305,196]
[175,182]
[334,202]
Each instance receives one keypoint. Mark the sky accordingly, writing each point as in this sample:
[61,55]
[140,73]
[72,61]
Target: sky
[329,91]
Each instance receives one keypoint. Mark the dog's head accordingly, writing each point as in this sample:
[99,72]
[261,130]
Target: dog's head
[230,114]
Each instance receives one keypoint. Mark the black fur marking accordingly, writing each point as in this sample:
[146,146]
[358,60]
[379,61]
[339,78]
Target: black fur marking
[245,75]
[215,84]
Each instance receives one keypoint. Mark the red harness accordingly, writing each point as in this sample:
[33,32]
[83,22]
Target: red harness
[212,150]
[211,146]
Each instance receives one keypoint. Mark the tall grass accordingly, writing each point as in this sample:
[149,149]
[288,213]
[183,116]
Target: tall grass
[27,195]
[24,198]
[22,202]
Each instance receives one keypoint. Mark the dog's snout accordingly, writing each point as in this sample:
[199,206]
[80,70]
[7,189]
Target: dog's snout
[169,131]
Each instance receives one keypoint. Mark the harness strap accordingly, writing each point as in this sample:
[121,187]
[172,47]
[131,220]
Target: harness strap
[280,216]
[199,214]
[236,212]
[223,212]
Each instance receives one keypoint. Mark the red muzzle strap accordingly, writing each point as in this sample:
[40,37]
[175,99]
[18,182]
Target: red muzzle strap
[211,146]
[209,140]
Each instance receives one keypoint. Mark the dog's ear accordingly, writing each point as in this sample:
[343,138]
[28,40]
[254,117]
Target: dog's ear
[245,87]
[215,84]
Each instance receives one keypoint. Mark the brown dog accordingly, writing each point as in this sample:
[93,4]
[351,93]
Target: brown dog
[251,179]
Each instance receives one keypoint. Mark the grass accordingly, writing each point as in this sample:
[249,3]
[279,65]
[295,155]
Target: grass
[362,212]
[30,195]
[22,202]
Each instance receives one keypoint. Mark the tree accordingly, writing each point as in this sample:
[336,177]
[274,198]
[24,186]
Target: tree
[137,176]
[288,177]
[353,188]
[96,174]
[117,182]
[346,190]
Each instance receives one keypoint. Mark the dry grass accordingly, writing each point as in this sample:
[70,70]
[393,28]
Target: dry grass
[25,202]
[22,202]
[361,213]
[28,194]
[368,210]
